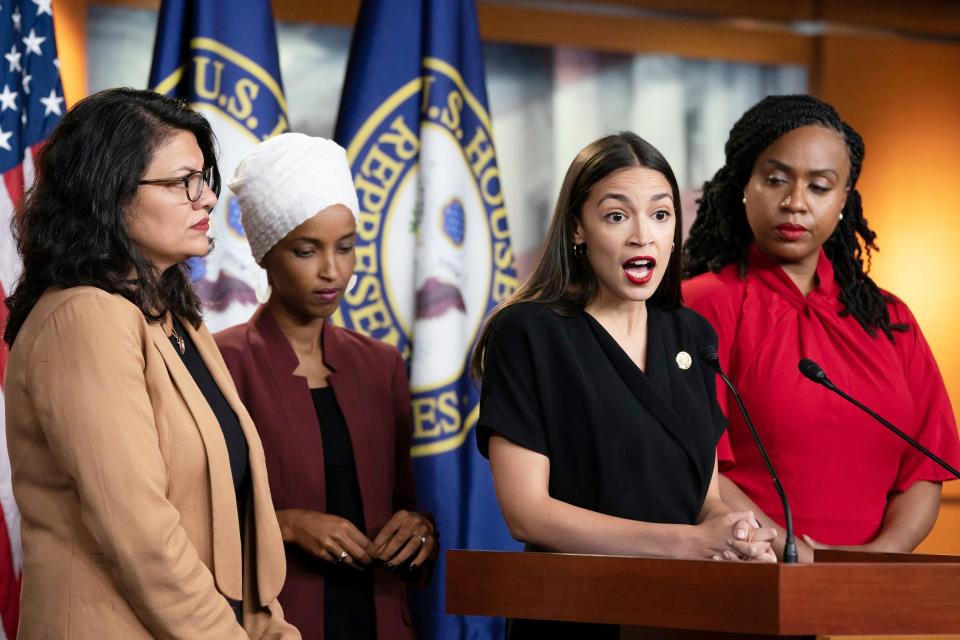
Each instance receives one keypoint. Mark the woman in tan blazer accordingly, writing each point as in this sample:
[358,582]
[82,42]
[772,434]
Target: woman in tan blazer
[139,475]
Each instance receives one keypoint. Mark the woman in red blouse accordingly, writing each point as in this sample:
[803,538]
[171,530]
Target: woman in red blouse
[775,257]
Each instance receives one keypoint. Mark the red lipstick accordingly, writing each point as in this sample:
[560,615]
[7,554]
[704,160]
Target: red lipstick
[203,225]
[639,269]
[791,232]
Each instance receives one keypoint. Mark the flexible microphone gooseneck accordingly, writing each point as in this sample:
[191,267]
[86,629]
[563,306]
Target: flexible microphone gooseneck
[709,356]
[814,372]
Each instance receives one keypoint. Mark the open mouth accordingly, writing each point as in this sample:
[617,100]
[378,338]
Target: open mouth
[639,270]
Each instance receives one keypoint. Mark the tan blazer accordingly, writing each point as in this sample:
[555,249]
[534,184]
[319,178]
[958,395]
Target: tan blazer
[120,469]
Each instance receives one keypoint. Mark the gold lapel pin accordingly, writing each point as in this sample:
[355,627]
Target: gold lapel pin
[684,360]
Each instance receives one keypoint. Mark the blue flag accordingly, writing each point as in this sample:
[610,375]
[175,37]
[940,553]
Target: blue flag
[433,252]
[221,57]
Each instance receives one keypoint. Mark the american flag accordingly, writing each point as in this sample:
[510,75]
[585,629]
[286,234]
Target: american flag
[31,104]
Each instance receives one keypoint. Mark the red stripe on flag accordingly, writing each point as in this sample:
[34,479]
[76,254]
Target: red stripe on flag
[9,587]
[13,180]
[9,580]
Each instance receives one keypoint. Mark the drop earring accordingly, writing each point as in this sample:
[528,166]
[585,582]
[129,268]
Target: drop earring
[261,287]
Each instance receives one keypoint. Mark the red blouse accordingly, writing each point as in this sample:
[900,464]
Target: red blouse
[837,465]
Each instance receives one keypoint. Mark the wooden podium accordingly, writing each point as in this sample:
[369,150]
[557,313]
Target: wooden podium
[842,593]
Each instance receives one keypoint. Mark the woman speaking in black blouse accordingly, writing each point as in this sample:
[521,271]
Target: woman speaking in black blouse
[598,418]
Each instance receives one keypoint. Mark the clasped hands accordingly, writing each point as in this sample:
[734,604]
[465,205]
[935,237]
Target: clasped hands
[736,536]
[405,541]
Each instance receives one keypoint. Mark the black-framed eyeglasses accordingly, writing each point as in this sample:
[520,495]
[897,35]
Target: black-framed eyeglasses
[192,182]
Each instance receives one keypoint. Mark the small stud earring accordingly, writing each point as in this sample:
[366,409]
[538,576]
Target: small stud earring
[579,249]
[744,198]
[841,216]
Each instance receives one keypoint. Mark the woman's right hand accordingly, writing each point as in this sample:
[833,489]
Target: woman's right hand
[326,536]
[734,536]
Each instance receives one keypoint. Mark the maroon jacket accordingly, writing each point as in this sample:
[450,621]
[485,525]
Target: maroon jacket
[370,384]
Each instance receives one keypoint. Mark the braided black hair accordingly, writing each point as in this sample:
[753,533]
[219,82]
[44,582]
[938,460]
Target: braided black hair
[720,234]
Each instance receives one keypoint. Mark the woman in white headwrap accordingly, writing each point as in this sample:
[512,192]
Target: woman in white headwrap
[332,406]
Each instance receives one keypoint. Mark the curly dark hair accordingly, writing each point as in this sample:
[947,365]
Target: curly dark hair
[562,279]
[70,228]
[720,234]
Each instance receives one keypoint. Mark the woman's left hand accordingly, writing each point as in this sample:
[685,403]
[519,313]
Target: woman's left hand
[407,537]
[749,530]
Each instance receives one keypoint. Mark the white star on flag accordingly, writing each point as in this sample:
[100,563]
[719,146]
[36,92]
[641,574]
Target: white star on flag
[4,140]
[51,103]
[56,62]
[16,18]
[43,7]
[8,99]
[14,59]
[33,42]
[26,83]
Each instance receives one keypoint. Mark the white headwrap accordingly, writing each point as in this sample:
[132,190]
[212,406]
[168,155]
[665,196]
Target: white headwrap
[287,180]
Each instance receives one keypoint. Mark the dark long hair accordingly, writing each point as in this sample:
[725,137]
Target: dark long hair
[564,281]
[720,234]
[70,228]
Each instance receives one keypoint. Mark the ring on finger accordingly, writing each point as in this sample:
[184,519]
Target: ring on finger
[342,557]
[422,539]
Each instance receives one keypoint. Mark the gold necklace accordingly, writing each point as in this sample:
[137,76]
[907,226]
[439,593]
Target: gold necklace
[181,345]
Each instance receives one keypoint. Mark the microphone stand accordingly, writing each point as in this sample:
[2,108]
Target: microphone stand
[709,355]
[814,372]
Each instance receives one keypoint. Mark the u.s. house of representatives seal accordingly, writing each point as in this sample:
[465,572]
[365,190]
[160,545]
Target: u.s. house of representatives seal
[244,105]
[433,246]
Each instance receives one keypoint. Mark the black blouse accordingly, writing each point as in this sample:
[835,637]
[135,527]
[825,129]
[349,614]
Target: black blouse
[348,610]
[236,442]
[621,441]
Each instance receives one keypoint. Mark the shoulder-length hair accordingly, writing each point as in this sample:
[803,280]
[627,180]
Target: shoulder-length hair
[70,228]
[564,281]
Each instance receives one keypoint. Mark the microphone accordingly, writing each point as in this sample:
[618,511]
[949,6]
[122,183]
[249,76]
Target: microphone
[709,356]
[814,372]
